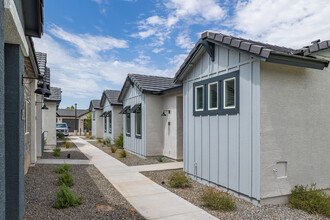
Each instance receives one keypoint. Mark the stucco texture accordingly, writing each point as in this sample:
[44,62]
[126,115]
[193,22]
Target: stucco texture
[50,123]
[295,125]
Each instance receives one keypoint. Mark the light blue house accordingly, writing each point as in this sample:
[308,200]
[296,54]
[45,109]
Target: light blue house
[256,116]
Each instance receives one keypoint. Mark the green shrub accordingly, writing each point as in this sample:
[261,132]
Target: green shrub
[119,142]
[57,152]
[178,179]
[65,198]
[63,169]
[65,179]
[100,140]
[160,159]
[310,200]
[60,135]
[90,137]
[45,142]
[218,200]
[68,144]
[122,153]
[113,149]
[107,141]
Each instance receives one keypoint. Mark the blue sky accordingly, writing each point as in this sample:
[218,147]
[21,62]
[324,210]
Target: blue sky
[93,44]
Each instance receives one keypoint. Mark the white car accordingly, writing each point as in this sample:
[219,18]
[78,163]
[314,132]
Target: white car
[62,128]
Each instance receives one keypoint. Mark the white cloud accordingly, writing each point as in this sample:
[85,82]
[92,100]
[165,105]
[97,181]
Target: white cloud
[184,41]
[142,59]
[283,22]
[87,44]
[158,50]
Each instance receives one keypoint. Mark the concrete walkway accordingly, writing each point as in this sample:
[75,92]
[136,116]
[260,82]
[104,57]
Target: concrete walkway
[63,161]
[148,198]
[159,166]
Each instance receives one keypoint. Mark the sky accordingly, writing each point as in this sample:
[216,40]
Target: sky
[92,45]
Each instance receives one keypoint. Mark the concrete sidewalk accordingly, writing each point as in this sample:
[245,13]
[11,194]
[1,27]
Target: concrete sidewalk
[159,166]
[148,198]
[63,161]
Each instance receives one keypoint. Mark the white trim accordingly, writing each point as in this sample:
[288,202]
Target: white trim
[208,95]
[137,126]
[14,26]
[202,109]
[224,93]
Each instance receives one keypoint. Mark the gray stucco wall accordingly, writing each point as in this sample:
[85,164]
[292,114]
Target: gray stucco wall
[223,150]
[295,126]
[14,131]
[2,117]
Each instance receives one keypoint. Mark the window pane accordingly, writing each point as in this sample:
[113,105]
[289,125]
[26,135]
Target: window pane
[128,123]
[110,122]
[105,124]
[230,93]
[199,100]
[213,93]
[138,121]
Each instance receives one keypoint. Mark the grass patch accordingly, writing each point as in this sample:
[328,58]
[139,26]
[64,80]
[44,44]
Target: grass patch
[218,200]
[57,152]
[160,159]
[119,142]
[65,179]
[65,198]
[63,169]
[113,149]
[310,200]
[68,144]
[178,179]
[122,153]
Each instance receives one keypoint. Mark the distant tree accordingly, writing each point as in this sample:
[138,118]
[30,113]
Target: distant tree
[88,121]
[72,107]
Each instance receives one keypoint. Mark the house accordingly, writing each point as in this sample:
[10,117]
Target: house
[49,116]
[97,122]
[152,109]
[74,118]
[256,116]
[112,120]
[19,21]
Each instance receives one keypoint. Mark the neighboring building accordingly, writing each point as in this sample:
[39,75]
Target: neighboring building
[17,21]
[49,115]
[256,116]
[97,121]
[112,120]
[152,108]
[68,116]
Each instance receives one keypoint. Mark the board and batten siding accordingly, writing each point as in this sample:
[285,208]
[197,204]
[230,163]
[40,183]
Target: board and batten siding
[117,123]
[224,150]
[131,143]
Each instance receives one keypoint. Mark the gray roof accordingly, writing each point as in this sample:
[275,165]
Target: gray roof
[42,61]
[111,96]
[266,52]
[71,112]
[55,95]
[47,76]
[94,104]
[315,47]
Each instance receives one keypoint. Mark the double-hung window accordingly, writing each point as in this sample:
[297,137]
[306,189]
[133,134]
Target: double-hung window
[217,95]
[110,122]
[138,122]
[105,123]
[128,122]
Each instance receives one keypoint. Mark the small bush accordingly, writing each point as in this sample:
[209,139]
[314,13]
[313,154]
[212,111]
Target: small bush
[107,141]
[217,200]
[113,149]
[63,169]
[100,140]
[310,200]
[45,142]
[178,179]
[119,142]
[65,198]
[68,144]
[60,135]
[65,179]
[57,152]
[160,159]
[90,137]
[122,154]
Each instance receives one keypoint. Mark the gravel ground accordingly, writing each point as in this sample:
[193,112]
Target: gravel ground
[41,186]
[74,152]
[244,210]
[130,159]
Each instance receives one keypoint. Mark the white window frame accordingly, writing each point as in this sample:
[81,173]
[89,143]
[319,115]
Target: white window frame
[106,124]
[110,122]
[130,124]
[202,109]
[224,93]
[208,94]
[140,124]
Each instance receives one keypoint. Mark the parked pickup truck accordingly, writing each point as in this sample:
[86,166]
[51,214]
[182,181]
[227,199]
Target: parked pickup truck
[62,128]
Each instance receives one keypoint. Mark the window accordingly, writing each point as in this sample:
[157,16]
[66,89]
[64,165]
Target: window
[199,100]
[110,121]
[213,96]
[229,93]
[93,115]
[138,123]
[27,116]
[128,122]
[105,123]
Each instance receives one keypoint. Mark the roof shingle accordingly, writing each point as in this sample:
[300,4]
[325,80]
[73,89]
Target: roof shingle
[55,95]
[112,96]
[71,112]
